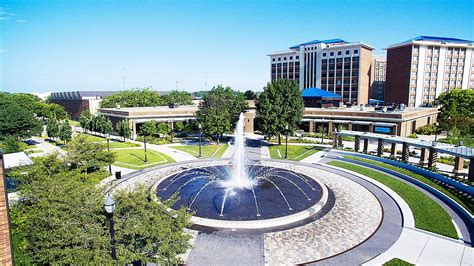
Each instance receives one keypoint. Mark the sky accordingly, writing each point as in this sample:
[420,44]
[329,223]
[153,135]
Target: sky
[48,46]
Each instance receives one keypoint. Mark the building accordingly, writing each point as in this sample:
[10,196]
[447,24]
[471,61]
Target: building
[420,69]
[334,65]
[378,75]
[314,97]
[6,248]
[75,102]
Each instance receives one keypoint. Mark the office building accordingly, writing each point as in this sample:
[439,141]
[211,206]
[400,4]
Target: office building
[378,75]
[420,69]
[334,65]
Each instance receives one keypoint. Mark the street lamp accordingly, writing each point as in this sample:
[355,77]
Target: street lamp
[436,131]
[108,149]
[286,149]
[200,137]
[109,206]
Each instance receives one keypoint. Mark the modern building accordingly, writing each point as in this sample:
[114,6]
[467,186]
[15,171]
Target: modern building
[314,97]
[75,102]
[335,65]
[378,75]
[420,69]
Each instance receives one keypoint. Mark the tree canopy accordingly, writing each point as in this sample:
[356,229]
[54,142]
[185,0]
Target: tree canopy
[179,97]
[457,110]
[220,110]
[87,156]
[16,120]
[132,98]
[280,105]
[250,95]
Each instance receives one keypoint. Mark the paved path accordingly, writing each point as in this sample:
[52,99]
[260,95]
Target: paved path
[47,147]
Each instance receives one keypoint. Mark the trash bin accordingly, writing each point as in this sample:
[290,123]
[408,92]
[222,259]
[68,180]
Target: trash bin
[118,174]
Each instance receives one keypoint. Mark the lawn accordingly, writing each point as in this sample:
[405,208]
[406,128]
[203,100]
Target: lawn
[214,151]
[428,214]
[295,152]
[397,262]
[135,159]
[460,198]
[114,144]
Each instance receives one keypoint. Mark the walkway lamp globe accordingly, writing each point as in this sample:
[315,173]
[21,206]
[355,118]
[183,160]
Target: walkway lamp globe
[286,148]
[200,137]
[109,205]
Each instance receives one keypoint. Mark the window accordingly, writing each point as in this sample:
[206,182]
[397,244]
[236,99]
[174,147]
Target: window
[347,52]
[331,54]
[356,51]
[324,54]
[339,53]
[291,57]
[297,57]
[284,58]
[279,58]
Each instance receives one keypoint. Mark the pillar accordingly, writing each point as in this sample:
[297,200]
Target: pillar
[356,143]
[379,147]
[458,165]
[334,141]
[470,176]
[424,157]
[311,127]
[330,126]
[393,150]
[395,130]
[405,152]
[349,126]
[134,130]
[366,145]
[371,128]
[172,125]
[433,156]
[339,141]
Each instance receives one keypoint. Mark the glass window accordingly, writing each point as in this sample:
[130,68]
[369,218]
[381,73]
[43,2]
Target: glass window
[347,52]
[284,58]
[356,51]
[339,53]
[291,57]
[297,57]
[279,58]
[324,54]
[331,54]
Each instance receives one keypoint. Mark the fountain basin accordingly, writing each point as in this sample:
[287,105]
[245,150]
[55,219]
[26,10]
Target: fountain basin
[276,197]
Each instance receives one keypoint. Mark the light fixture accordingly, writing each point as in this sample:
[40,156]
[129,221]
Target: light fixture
[109,205]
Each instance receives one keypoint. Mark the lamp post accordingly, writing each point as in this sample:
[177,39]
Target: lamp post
[108,149]
[109,206]
[144,146]
[436,131]
[286,148]
[200,138]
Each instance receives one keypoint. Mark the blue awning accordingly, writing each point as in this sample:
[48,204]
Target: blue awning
[319,93]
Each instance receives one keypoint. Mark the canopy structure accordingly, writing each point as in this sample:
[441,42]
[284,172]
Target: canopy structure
[319,94]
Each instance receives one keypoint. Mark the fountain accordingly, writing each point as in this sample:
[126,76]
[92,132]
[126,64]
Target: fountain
[240,191]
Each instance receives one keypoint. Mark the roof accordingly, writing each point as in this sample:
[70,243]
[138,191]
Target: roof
[79,95]
[440,40]
[318,93]
[330,41]
[16,159]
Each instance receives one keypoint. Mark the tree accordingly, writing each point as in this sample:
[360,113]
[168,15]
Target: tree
[87,156]
[280,105]
[52,128]
[85,120]
[132,98]
[220,110]
[146,231]
[18,121]
[250,95]
[65,131]
[57,111]
[123,129]
[179,97]
[457,109]
[11,145]
[106,127]
[163,129]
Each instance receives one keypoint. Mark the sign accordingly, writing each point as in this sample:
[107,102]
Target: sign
[386,130]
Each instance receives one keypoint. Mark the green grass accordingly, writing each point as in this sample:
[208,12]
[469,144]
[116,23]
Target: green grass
[135,159]
[214,151]
[460,198]
[295,152]
[114,144]
[397,262]
[428,214]
[74,123]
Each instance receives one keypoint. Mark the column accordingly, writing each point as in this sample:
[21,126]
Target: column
[458,165]
[172,125]
[366,145]
[470,176]
[424,157]
[339,141]
[134,130]
[393,150]
[311,127]
[349,126]
[380,148]
[433,156]
[334,141]
[356,143]
[405,152]
[371,128]
[330,125]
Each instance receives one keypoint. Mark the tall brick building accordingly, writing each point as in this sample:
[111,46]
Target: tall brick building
[6,249]
[75,102]
[422,68]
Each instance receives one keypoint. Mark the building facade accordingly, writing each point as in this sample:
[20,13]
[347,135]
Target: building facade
[333,65]
[378,75]
[6,249]
[422,68]
[75,102]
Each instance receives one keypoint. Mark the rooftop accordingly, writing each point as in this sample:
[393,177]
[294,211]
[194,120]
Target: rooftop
[330,41]
[434,39]
[318,93]
[16,159]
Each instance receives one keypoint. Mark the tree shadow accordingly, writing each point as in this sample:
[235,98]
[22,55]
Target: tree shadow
[138,157]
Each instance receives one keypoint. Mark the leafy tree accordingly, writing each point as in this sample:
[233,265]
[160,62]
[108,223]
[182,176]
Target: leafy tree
[179,97]
[250,95]
[85,120]
[132,98]
[220,110]
[280,105]
[106,126]
[163,129]
[18,121]
[179,126]
[52,128]
[123,129]
[57,111]
[146,231]
[87,156]
[11,145]
[457,109]
[149,128]
[65,131]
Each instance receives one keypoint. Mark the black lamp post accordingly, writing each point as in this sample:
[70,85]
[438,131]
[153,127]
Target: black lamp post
[144,146]
[109,206]
[200,137]
[108,149]
[286,148]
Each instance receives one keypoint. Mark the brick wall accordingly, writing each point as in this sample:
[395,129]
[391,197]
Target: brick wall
[397,86]
[73,107]
[365,80]
[6,254]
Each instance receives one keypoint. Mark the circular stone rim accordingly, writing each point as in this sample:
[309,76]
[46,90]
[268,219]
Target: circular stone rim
[255,224]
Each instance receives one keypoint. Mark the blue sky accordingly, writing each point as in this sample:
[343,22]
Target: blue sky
[83,45]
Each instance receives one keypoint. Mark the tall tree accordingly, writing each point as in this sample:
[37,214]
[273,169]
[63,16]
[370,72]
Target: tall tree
[52,128]
[65,131]
[457,110]
[87,156]
[18,121]
[280,105]
[123,129]
[179,97]
[220,110]
[132,98]
[250,95]
[85,120]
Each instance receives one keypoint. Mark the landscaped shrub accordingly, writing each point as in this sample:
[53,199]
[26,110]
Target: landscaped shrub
[413,136]
[426,130]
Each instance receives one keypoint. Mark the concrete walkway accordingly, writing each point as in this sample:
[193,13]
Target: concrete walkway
[46,147]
